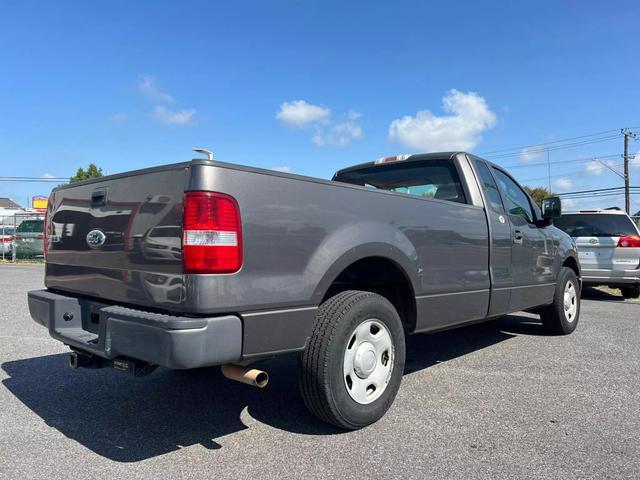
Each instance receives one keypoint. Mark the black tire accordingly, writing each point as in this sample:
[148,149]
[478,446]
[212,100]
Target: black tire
[322,381]
[553,316]
[631,291]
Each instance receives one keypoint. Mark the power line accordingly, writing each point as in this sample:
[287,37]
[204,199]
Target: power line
[574,173]
[33,179]
[575,160]
[542,150]
[604,193]
[596,190]
[550,142]
[598,193]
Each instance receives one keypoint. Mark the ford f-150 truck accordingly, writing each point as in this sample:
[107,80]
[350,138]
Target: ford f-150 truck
[208,263]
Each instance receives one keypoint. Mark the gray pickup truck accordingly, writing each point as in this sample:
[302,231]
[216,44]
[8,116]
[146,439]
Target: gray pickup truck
[208,263]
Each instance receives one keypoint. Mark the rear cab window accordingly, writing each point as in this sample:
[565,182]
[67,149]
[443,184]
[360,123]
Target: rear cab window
[596,225]
[433,179]
[31,226]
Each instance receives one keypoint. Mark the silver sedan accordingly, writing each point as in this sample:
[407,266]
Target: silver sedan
[608,248]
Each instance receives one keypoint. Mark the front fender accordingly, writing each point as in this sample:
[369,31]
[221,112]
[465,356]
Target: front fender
[566,249]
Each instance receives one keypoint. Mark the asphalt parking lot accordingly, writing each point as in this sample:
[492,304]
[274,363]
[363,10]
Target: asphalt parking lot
[498,400]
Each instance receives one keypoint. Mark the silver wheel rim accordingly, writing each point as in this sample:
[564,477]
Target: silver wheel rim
[368,361]
[570,302]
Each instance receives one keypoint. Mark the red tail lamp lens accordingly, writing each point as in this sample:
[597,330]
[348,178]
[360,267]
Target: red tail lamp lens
[211,233]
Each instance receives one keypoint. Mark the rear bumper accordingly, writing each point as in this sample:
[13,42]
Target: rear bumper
[610,277]
[111,331]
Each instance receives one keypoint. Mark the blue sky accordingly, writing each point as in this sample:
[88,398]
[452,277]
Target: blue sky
[315,86]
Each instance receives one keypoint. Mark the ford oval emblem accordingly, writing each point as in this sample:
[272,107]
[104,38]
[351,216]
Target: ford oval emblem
[96,238]
[593,241]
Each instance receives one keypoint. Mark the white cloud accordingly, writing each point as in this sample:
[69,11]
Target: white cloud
[530,153]
[634,162]
[299,113]
[594,168]
[147,87]
[597,168]
[470,116]
[283,169]
[563,183]
[568,203]
[178,118]
[47,175]
[119,118]
[341,134]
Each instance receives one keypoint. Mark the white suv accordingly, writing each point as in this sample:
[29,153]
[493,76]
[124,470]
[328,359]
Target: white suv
[608,248]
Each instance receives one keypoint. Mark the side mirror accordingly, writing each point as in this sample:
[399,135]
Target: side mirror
[551,208]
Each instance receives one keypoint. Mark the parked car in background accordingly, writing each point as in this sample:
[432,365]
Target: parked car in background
[608,246]
[6,241]
[30,238]
[163,243]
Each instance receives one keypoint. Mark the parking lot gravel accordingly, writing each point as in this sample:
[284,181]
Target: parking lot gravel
[499,400]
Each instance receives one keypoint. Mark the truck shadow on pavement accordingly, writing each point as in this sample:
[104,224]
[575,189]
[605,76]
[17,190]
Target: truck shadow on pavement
[130,419]
[590,293]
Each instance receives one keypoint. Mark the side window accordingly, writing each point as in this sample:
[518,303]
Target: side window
[516,200]
[489,186]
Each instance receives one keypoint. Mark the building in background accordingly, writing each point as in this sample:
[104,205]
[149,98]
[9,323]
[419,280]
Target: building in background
[9,208]
[39,204]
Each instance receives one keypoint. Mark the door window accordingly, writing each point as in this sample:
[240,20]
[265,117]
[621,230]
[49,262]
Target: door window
[490,188]
[516,200]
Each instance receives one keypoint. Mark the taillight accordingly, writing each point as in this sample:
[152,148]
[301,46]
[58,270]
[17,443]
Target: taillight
[632,241]
[211,233]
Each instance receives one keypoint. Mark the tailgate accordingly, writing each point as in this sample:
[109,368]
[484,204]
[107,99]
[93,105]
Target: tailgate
[119,237]
[602,253]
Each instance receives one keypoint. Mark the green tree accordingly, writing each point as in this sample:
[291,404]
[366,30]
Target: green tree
[92,171]
[538,193]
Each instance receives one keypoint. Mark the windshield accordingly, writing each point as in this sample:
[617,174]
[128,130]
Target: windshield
[31,226]
[596,225]
[165,232]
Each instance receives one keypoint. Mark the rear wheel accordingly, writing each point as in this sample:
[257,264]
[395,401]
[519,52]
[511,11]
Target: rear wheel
[631,291]
[352,368]
[561,317]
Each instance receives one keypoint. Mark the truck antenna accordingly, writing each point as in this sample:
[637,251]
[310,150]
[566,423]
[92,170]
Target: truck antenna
[204,151]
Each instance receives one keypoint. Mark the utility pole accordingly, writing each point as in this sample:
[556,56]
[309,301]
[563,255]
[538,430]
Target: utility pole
[627,200]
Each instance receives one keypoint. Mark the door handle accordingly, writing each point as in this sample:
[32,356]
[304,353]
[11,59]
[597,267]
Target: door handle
[517,236]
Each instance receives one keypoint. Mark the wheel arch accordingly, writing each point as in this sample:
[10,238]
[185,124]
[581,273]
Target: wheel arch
[385,271]
[572,262]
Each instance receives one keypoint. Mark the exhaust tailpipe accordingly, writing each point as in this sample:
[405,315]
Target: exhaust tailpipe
[250,376]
